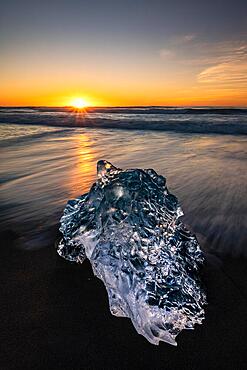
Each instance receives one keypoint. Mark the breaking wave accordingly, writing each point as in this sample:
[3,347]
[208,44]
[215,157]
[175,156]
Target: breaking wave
[190,120]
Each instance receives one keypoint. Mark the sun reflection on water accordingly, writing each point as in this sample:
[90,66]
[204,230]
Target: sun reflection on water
[83,170]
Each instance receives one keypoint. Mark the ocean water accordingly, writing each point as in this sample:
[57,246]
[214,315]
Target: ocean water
[189,120]
[45,161]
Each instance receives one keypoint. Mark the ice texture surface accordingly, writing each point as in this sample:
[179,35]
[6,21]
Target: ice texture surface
[128,227]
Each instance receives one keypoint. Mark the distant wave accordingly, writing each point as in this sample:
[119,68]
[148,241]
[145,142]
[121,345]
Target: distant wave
[190,120]
[132,110]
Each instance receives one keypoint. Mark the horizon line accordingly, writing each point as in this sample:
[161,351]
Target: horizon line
[125,106]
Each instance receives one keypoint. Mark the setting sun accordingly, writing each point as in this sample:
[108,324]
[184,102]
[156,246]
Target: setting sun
[79,103]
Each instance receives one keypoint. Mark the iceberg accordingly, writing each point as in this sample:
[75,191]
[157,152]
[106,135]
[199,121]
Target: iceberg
[128,225]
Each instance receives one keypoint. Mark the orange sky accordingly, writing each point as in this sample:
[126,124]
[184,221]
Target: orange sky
[159,80]
[49,57]
[58,89]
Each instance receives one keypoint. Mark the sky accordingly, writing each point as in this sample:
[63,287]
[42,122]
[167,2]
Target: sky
[130,52]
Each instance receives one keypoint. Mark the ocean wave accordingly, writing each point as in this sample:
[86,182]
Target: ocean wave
[132,110]
[197,122]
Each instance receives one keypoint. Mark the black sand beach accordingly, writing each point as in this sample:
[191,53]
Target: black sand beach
[55,315]
[158,89]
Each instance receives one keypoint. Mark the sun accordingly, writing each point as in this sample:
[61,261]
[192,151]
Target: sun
[79,103]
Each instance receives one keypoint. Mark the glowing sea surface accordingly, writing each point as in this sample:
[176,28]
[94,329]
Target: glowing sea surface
[42,167]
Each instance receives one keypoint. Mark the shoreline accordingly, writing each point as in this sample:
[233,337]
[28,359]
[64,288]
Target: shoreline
[179,127]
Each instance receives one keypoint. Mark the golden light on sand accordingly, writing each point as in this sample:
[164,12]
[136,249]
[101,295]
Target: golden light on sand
[79,103]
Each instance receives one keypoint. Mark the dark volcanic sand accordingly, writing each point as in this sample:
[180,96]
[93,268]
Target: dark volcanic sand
[55,315]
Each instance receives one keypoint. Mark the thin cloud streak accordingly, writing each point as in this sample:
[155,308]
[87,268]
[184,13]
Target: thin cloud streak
[225,73]
[197,53]
[229,69]
[216,65]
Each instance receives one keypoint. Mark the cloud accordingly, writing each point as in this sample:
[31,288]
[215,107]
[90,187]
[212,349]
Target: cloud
[225,73]
[182,39]
[188,38]
[174,43]
[222,52]
[228,67]
[166,53]
[219,66]
[189,50]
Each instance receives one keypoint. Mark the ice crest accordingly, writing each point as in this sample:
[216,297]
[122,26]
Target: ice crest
[128,227]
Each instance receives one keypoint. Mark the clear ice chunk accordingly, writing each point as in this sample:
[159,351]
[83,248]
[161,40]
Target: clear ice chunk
[128,227]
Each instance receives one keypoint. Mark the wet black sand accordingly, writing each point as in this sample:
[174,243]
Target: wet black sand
[55,315]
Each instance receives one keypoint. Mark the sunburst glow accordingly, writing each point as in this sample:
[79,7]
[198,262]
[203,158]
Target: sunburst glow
[79,103]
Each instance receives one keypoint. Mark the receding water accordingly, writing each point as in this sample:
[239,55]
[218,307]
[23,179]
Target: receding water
[42,167]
